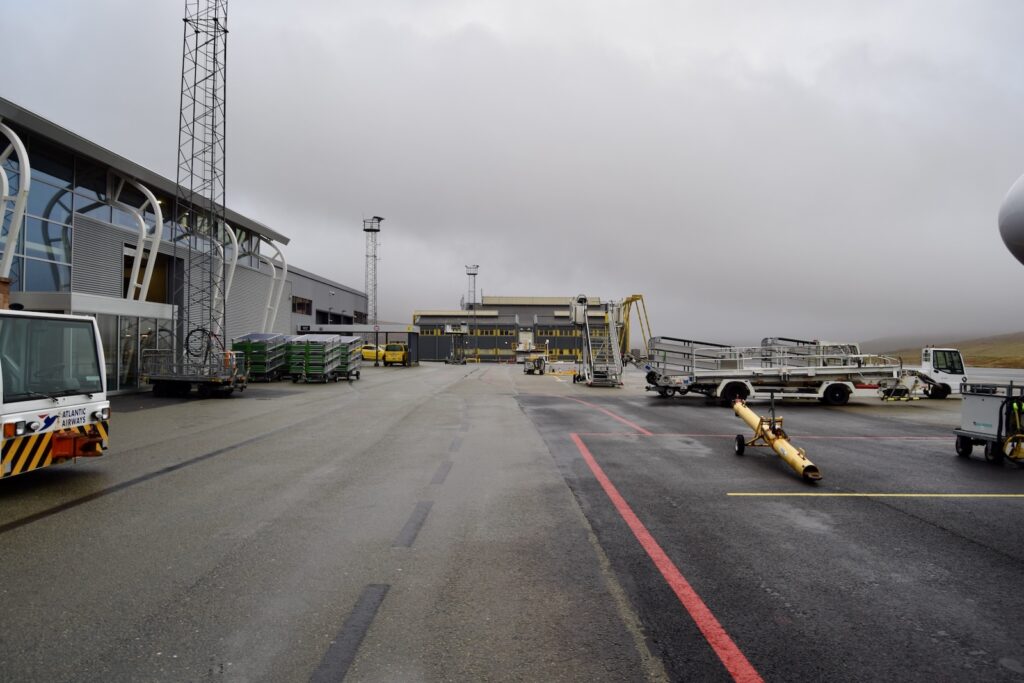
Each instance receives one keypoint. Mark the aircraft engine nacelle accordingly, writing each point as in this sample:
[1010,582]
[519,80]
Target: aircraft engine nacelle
[1011,220]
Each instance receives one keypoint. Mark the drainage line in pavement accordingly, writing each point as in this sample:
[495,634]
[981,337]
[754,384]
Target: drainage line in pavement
[407,536]
[343,649]
[442,472]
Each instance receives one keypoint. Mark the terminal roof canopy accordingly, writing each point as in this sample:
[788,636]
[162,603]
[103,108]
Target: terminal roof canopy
[33,123]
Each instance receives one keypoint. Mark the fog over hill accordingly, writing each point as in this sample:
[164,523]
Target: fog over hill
[907,341]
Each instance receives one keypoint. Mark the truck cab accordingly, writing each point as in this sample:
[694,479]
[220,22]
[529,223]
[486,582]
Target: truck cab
[945,370]
[53,400]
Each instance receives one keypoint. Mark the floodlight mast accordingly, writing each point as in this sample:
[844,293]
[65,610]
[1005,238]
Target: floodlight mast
[371,226]
[471,272]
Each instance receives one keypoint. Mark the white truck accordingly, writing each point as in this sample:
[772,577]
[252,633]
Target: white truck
[940,374]
[830,372]
[54,405]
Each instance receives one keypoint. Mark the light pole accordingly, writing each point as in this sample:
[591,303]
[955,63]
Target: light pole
[471,272]
[371,226]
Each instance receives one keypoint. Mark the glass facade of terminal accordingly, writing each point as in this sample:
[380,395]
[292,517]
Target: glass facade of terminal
[62,185]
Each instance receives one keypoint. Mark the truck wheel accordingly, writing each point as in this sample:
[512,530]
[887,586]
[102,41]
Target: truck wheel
[938,392]
[836,395]
[741,444]
[963,446]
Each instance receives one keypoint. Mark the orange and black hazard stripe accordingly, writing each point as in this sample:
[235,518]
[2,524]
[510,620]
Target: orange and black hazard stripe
[22,454]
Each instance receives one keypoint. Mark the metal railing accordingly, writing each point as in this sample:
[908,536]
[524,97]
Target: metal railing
[165,364]
[671,356]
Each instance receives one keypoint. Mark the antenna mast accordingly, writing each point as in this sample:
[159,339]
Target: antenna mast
[199,206]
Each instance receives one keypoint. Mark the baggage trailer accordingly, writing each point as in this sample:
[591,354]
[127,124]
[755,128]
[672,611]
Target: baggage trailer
[351,358]
[213,374]
[829,372]
[324,358]
[263,354]
[992,416]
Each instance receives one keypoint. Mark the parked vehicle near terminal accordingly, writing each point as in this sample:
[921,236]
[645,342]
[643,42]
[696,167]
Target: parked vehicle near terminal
[941,372]
[830,372]
[54,390]
[396,353]
[372,352]
[535,364]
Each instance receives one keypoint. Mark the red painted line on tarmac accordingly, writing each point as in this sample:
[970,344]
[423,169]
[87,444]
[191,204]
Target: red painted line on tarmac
[730,655]
[631,425]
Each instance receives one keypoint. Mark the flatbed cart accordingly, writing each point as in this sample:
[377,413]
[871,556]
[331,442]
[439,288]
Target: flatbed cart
[351,358]
[315,358]
[992,415]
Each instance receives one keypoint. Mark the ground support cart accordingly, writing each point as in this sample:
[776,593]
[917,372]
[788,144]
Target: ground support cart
[351,358]
[992,415]
[220,374]
[535,365]
[264,355]
[315,358]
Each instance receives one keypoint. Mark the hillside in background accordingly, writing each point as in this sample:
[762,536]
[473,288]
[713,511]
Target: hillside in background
[1001,351]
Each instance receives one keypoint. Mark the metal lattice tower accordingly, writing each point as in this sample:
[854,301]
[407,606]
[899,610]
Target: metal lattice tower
[199,208]
[471,272]
[371,226]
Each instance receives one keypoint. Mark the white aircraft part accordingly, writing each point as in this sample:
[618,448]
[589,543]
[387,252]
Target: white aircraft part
[1011,220]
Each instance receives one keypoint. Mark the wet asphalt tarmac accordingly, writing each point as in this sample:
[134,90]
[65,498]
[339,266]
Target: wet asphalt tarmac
[444,523]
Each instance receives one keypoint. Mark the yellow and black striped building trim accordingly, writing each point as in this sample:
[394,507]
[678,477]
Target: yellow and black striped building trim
[22,454]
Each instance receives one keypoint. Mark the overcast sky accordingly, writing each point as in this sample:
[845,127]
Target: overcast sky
[804,169]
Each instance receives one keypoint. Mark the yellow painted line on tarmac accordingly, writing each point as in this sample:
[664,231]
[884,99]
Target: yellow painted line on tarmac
[877,495]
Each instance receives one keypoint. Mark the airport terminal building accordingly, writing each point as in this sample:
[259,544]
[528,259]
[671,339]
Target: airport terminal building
[81,236]
[498,326]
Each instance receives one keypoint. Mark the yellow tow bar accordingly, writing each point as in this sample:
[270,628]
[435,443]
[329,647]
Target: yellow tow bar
[768,432]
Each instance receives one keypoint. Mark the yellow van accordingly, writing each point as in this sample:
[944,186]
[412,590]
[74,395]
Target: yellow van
[396,354]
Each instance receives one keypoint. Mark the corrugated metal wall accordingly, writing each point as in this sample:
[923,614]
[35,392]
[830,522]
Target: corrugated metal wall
[98,268]
[97,259]
[247,301]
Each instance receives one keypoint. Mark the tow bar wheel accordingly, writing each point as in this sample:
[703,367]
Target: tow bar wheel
[741,444]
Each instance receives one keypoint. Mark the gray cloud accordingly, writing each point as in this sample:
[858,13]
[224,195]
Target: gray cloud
[797,170]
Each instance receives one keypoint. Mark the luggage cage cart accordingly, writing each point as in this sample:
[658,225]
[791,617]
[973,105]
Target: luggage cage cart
[992,415]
